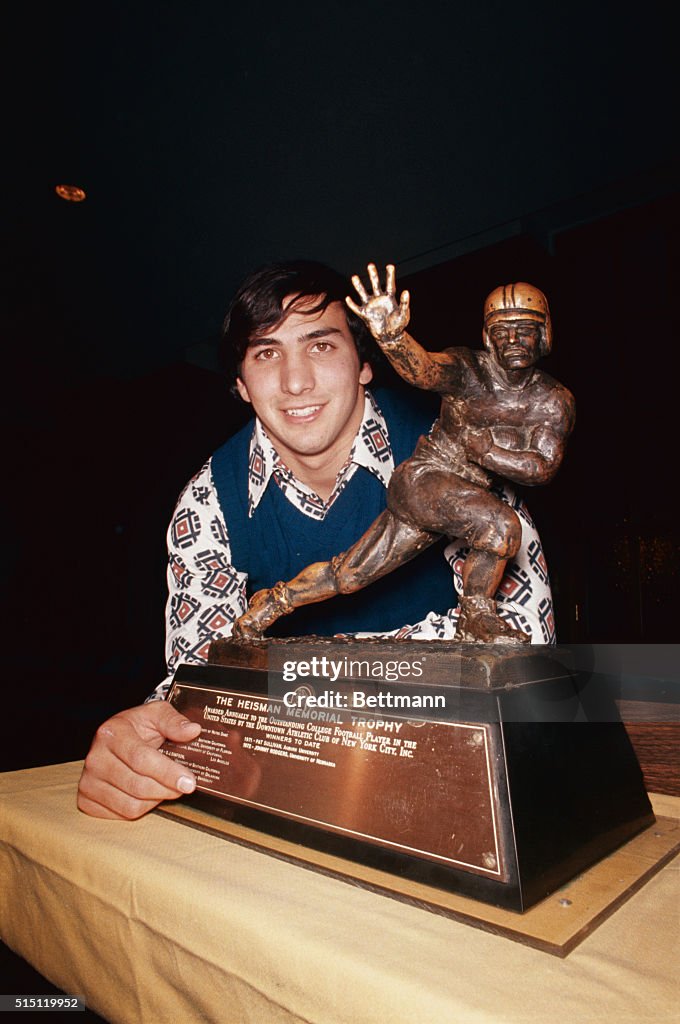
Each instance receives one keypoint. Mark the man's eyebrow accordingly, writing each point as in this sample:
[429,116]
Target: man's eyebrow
[262,341]
[320,332]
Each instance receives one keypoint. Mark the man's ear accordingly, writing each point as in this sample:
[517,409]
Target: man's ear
[366,374]
[242,390]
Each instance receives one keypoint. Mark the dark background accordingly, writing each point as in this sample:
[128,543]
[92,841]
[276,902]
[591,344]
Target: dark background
[472,146]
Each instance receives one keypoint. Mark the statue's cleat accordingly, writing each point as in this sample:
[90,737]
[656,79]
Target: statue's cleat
[245,629]
[480,623]
[265,607]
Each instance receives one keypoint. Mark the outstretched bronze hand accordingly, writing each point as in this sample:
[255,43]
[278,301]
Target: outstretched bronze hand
[385,318]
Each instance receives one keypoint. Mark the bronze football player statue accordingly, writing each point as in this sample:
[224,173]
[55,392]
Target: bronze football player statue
[499,415]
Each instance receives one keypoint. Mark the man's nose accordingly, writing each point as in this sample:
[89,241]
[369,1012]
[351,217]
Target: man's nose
[297,375]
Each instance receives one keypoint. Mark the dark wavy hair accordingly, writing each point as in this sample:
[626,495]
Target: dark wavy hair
[258,306]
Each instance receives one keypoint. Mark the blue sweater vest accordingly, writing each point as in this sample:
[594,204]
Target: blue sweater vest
[278,541]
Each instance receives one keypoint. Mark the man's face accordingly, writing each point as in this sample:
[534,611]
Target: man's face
[515,343]
[304,381]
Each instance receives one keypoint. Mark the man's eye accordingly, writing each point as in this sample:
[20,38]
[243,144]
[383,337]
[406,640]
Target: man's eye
[322,346]
[265,354]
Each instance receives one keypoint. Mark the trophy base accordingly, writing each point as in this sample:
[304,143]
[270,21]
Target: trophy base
[476,771]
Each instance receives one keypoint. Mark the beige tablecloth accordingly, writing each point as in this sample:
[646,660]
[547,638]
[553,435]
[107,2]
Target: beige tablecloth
[152,921]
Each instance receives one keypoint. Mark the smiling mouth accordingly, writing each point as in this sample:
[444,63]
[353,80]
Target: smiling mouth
[307,410]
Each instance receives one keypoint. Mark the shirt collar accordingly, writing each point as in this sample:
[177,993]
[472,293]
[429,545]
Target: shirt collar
[371,449]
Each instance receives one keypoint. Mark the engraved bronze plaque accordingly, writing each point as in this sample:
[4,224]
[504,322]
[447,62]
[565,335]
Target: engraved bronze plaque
[421,787]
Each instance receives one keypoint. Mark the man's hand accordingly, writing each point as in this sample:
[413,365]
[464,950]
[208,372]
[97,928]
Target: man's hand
[125,774]
[385,318]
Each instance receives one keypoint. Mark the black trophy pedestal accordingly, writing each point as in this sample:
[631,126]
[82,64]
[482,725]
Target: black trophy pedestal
[502,789]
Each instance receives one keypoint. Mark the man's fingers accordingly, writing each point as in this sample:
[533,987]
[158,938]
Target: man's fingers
[104,800]
[404,302]
[390,284]
[155,722]
[361,291]
[353,306]
[375,280]
[172,724]
[108,788]
[130,759]
[125,774]
[141,771]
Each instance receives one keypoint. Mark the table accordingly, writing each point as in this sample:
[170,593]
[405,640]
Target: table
[152,922]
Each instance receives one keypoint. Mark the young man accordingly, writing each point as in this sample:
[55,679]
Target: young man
[300,486]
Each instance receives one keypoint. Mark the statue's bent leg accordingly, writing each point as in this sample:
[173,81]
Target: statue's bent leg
[496,540]
[386,545]
[447,503]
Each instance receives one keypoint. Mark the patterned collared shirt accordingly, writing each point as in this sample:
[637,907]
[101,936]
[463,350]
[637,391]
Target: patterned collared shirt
[206,593]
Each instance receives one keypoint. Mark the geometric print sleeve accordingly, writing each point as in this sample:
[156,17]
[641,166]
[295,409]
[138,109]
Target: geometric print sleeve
[205,593]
